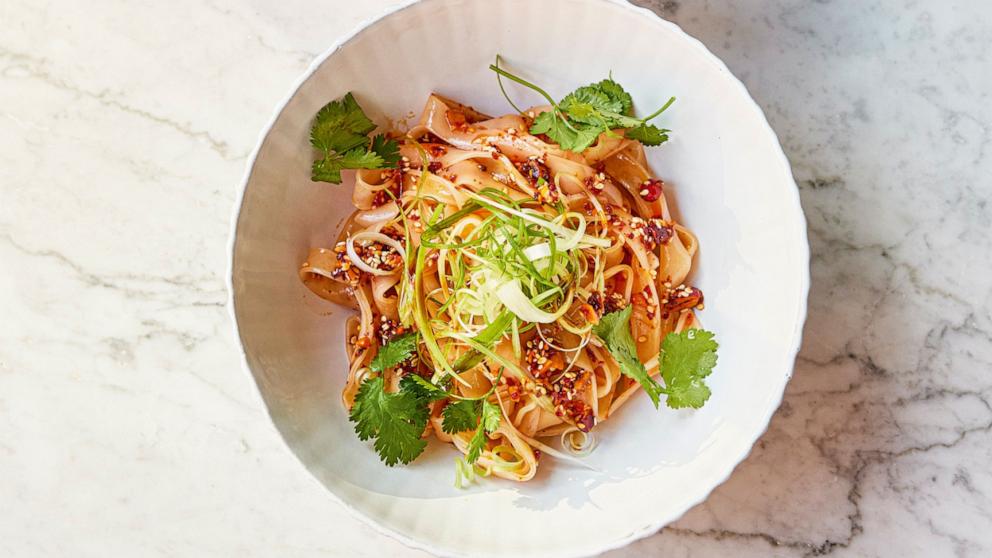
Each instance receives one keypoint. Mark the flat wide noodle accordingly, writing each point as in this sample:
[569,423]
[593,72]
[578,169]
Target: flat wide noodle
[549,378]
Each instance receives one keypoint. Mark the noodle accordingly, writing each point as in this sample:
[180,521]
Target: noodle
[483,221]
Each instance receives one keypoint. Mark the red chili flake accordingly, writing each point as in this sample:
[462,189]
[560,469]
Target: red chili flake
[513,389]
[574,409]
[434,166]
[586,422]
[542,360]
[681,298]
[614,302]
[596,301]
[534,170]
[381,197]
[657,232]
[639,299]
[651,190]
[436,150]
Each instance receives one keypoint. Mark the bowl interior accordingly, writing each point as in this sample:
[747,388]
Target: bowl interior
[725,174]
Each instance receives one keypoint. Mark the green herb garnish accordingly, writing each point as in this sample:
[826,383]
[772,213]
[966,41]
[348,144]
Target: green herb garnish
[397,350]
[460,416]
[577,121]
[481,415]
[685,359]
[340,133]
[395,420]
[428,390]
[614,330]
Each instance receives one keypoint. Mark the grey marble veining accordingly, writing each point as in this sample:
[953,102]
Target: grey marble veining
[882,445]
[127,427]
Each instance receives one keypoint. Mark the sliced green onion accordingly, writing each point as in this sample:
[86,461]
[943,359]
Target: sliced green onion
[489,353]
[557,229]
[489,335]
[513,297]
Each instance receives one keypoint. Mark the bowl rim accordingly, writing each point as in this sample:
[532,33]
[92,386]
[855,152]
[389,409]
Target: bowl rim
[650,527]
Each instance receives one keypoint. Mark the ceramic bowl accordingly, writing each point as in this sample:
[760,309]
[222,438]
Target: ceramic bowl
[725,174]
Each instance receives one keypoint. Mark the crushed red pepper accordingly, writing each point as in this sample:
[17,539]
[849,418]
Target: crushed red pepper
[547,365]
[680,298]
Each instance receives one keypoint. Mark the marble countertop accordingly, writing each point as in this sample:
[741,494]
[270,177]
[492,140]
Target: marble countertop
[127,427]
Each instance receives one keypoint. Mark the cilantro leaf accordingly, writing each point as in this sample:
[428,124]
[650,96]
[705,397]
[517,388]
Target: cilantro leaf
[574,138]
[475,446]
[423,387]
[340,126]
[386,149]
[468,414]
[543,122]
[570,137]
[648,134]
[490,416]
[585,113]
[686,359]
[604,109]
[480,415]
[397,350]
[617,120]
[395,420]
[614,330]
[615,92]
[326,170]
[585,104]
[582,140]
[553,125]
[459,417]
[358,159]
[340,132]
[488,422]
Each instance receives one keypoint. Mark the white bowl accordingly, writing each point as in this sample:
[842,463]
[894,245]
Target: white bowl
[728,178]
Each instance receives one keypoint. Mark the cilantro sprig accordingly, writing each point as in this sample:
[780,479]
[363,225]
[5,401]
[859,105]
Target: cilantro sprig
[340,133]
[614,330]
[480,415]
[396,420]
[577,121]
[686,359]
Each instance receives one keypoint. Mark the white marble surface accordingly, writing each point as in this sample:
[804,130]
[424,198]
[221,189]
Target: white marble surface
[127,427]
